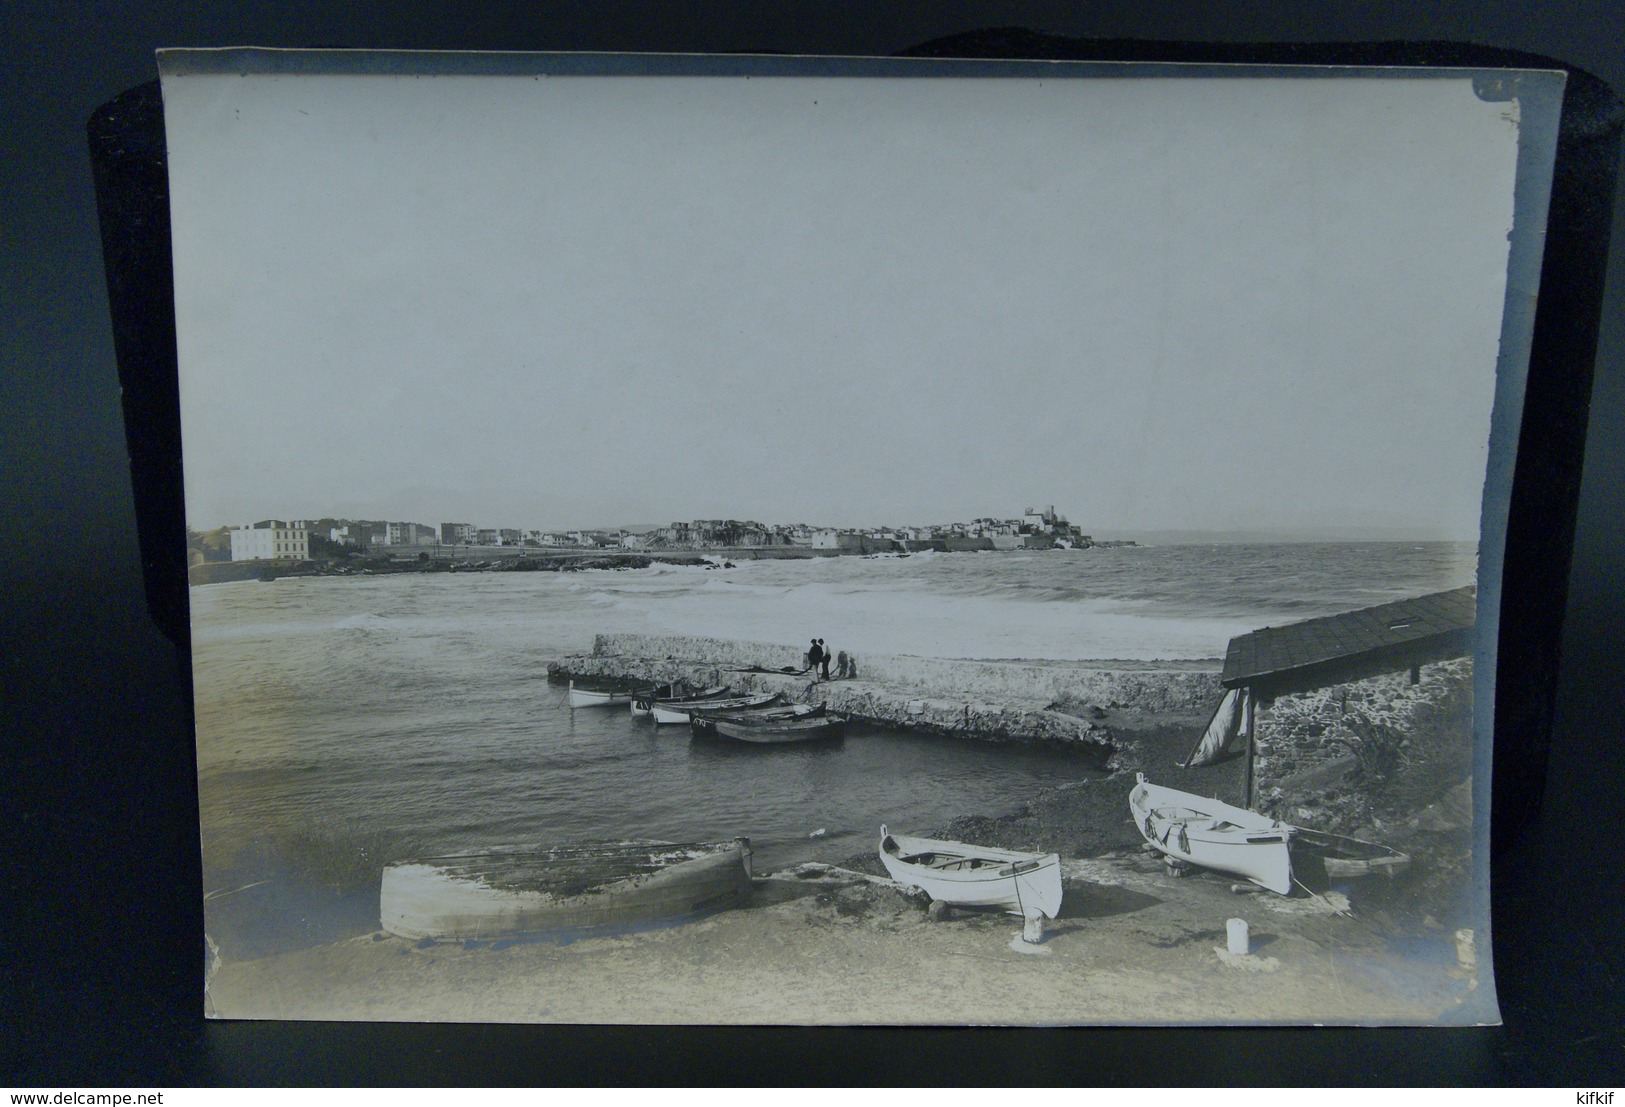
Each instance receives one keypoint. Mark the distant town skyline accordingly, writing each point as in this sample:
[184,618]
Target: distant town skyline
[1235,305]
[1165,535]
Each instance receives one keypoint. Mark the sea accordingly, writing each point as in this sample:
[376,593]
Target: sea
[344,722]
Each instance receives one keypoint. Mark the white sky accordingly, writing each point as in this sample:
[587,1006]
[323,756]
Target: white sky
[1159,304]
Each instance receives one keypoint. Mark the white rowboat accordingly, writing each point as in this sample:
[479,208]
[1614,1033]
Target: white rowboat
[598,697]
[1214,835]
[974,876]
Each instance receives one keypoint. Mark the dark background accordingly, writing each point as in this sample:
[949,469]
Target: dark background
[99,958]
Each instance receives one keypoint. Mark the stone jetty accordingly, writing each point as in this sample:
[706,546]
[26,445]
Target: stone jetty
[1093,706]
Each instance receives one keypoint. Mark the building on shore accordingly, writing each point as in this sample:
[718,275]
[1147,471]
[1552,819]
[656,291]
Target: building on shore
[404,534]
[270,540]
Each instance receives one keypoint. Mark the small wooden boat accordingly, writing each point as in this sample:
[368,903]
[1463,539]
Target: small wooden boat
[1214,835]
[512,893]
[674,713]
[604,696]
[1345,858]
[704,723]
[644,702]
[814,726]
[974,876]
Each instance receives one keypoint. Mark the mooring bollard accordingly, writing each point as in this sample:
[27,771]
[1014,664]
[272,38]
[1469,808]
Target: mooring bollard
[1236,933]
[1032,929]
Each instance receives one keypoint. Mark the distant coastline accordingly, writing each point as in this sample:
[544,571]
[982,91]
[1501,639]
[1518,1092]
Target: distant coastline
[476,559]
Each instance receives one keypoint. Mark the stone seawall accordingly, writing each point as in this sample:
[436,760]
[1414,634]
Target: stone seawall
[1094,706]
[1179,688]
[1382,740]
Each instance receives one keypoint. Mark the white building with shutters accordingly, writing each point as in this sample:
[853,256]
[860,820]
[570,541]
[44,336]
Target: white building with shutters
[272,540]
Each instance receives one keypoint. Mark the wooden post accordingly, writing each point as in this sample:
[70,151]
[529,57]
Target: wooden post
[1252,743]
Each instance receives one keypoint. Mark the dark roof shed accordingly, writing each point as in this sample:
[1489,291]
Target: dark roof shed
[1353,644]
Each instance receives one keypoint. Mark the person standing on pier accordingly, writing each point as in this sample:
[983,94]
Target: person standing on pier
[815,657]
[824,651]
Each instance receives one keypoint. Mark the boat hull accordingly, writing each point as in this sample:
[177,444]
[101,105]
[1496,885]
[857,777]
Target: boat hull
[678,714]
[597,697]
[1214,835]
[494,895]
[974,876]
[814,728]
[704,723]
[1345,858]
[644,703]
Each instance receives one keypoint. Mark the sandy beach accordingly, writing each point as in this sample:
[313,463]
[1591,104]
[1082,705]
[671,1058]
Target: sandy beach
[1131,946]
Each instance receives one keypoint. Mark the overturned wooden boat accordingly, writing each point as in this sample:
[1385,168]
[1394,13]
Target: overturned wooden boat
[815,725]
[974,876]
[678,713]
[1214,835]
[497,894]
[643,703]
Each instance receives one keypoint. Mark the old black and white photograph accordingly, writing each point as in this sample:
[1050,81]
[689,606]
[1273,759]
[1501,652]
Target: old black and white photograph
[840,541]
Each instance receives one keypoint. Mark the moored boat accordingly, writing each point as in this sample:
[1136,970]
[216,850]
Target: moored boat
[1214,835]
[660,691]
[704,723]
[512,893]
[675,713]
[644,702]
[974,876]
[602,696]
[814,726]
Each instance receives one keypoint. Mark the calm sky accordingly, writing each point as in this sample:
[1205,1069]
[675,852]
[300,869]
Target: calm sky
[1167,304]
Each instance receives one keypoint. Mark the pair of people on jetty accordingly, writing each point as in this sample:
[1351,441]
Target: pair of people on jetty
[818,659]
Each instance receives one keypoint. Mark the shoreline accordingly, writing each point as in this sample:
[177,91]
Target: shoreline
[498,559]
[836,943]
[491,559]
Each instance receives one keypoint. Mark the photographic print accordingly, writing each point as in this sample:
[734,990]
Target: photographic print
[847,541]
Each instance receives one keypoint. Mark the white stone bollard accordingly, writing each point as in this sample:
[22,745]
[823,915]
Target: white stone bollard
[1032,929]
[1236,934]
